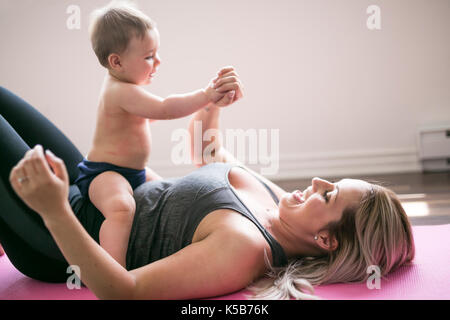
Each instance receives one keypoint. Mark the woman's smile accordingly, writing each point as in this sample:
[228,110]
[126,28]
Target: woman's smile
[298,196]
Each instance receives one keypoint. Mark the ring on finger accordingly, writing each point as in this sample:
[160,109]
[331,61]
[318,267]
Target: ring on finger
[23,179]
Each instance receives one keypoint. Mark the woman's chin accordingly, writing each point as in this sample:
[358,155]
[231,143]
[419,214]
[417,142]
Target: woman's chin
[288,201]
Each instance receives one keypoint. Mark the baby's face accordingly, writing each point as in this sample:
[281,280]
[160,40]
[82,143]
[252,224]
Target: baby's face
[141,60]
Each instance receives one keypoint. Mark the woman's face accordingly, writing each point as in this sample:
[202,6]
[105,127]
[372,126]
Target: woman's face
[308,212]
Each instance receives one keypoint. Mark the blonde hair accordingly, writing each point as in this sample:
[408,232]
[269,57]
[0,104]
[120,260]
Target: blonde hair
[377,232]
[112,27]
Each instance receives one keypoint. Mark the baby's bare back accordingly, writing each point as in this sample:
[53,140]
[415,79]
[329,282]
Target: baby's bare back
[120,138]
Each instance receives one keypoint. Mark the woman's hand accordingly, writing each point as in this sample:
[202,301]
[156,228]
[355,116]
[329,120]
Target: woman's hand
[225,88]
[44,191]
[227,82]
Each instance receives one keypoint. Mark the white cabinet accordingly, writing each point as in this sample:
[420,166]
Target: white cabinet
[434,148]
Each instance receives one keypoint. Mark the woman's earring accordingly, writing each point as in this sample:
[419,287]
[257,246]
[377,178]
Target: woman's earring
[316,237]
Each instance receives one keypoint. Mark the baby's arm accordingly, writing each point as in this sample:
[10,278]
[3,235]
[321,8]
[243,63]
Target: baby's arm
[136,100]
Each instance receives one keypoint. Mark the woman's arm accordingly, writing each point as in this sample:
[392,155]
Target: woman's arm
[46,193]
[203,120]
[208,119]
[99,271]
[226,260]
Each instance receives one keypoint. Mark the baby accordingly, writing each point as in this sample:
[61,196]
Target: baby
[126,43]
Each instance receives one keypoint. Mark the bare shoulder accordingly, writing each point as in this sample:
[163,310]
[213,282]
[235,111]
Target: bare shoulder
[244,246]
[243,235]
[231,225]
[224,155]
[134,100]
[245,242]
[275,188]
[244,178]
[116,92]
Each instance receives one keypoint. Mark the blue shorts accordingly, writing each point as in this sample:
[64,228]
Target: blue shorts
[90,169]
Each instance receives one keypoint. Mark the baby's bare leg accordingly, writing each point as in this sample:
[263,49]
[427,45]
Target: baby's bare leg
[113,196]
[2,252]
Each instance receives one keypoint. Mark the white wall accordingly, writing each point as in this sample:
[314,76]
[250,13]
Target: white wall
[346,100]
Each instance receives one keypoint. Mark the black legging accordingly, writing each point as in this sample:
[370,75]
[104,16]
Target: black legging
[23,235]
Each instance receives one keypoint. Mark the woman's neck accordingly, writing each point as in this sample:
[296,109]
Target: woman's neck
[293,243]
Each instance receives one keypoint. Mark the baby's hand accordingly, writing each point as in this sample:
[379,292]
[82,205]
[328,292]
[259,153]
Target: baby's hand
[226,82]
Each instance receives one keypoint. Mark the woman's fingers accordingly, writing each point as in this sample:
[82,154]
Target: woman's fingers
[228,86]
[230,73]
[40,164]
[37,162]
[228,80]
[28,162]
[37,186]
[230,77]
[221,81]
[18,175]
[226,75]
[31,169]
[225,70]
[227,99]
[57,165]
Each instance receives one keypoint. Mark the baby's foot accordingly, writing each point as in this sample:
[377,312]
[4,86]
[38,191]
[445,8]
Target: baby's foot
[2,252]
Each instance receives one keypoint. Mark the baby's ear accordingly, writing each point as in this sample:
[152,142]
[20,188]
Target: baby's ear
[114,61]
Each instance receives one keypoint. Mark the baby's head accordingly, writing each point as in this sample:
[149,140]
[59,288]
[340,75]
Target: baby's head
[125,41]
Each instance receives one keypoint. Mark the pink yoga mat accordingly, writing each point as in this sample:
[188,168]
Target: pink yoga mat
[427,278]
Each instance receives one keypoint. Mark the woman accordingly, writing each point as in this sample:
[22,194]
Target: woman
[212,232]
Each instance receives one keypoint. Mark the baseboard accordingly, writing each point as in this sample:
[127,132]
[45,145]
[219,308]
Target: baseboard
[329,164]
[348,163]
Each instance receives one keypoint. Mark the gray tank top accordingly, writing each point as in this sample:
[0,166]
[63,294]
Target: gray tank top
[169,211]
